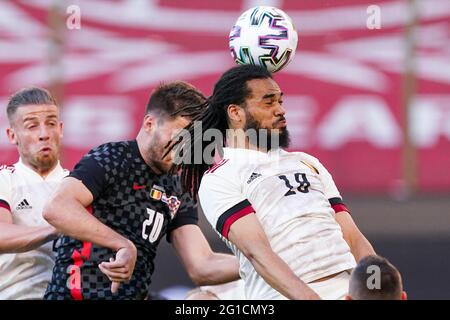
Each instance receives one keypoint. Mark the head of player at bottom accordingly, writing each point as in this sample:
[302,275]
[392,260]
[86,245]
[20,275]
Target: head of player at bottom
[375,278]
[35,128]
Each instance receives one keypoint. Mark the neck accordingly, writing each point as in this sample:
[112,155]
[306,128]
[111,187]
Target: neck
[43,172]
[143,144]
[236,138]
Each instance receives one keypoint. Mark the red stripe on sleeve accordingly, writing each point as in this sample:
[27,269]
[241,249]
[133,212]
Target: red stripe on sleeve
[233,218]
[5,205]
[339,208]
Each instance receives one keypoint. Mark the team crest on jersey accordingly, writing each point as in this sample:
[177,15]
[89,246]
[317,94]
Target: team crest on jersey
[172,202]
[156,192]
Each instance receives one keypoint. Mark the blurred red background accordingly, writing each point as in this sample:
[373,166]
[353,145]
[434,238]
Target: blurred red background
[346,88]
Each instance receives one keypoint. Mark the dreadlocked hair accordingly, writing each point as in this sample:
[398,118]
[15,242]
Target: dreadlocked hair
[212,114]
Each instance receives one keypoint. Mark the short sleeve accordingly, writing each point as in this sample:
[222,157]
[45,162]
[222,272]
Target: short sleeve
[5,189]
[331,191]
[186,214]
[91,174]
[222,202]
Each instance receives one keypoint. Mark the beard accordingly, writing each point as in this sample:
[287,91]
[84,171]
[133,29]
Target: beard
[266,139]
[156,156]
[44,162]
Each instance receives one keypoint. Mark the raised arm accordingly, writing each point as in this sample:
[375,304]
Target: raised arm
[66,211]
[359,245]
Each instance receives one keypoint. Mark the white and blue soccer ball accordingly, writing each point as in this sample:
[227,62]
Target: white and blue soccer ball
[264,36]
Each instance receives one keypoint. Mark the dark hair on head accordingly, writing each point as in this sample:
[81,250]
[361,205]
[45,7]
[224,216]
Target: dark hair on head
[230,89]
[390,281]
[169,100]
[28,96]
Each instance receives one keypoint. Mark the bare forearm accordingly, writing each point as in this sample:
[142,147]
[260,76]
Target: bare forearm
[218,268]
[359,245]
[280,276]
[72,219]
[16,238]
[361,248]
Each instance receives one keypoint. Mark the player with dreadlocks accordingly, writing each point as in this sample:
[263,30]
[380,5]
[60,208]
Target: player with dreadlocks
[279,212]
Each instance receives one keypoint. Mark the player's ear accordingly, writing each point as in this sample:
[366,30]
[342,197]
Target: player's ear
[149,122]
[236,115]
[12,136]
[348,297]
[61,129]
[404,296]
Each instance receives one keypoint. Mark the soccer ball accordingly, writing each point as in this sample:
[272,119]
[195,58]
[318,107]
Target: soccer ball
[264,36]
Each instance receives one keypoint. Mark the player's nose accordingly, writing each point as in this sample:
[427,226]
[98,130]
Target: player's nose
[280,111]
[44,133]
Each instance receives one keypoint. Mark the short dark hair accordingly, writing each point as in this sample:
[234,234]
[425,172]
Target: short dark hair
[29,96]
[168,100]
[390,280]
[231,88]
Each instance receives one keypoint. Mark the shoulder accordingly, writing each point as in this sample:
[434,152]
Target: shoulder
[223,178]
[225,169]
[110,149]
[111,154]
[309,160]
[7,171]
[305,156]
[234,161]
[221,167]
[171,184]
[65,172]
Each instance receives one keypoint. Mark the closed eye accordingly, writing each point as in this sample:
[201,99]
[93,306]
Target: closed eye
[30,125]
[271,102]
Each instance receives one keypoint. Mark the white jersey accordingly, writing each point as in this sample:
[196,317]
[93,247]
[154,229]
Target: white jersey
[293,196]
[24,192]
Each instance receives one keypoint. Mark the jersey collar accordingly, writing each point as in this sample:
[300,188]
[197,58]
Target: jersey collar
[55,174]
[230,152]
